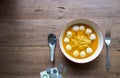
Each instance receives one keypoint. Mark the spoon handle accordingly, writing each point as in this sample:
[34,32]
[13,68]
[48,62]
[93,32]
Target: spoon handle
[52,53]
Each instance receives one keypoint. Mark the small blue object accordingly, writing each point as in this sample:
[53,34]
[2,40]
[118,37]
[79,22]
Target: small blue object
[50,73]
[60,76]
[54,71]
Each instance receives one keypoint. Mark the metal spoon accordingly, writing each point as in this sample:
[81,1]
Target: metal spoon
[52,40]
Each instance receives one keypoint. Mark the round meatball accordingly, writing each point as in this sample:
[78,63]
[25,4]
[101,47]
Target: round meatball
[68,47]
[92,36]
[75,28]
[82,28]
[82,54]
[88,31]
[89,50]
[75,53]
[66,40]
[69,34]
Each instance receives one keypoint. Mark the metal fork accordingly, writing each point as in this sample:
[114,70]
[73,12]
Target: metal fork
[107,42]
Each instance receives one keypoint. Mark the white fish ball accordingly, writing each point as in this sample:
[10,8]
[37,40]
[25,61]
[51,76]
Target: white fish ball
[88,31]
[66,40]
[92,36]
[68,47]
[89,50]
[75,28]
[82,54]
[75,53]
[82,27]
[69,34]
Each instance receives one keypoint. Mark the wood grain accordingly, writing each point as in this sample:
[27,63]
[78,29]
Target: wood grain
[51,9]
[25,25]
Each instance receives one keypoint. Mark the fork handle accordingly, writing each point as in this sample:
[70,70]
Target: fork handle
[108,58]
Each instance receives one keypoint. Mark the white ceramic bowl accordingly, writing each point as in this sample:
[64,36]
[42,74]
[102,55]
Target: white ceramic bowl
[100,41]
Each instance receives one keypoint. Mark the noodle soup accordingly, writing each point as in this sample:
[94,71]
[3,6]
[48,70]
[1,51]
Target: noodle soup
[81,41]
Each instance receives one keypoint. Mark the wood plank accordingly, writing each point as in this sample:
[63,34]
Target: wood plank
[25,25]
[29,61]
[58,9]
[35,32]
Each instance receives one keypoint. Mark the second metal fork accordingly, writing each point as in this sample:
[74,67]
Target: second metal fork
[107,42]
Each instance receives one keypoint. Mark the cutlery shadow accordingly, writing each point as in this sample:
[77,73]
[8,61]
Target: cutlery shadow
[93,65]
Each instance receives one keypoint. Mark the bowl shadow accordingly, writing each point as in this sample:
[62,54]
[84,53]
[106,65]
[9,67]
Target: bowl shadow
[79,68]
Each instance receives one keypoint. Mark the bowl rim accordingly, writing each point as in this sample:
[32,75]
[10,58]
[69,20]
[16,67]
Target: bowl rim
[91,58]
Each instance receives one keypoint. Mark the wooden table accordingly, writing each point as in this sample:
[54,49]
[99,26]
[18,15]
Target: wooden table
[25,25]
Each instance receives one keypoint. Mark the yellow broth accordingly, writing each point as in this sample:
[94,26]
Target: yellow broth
[76,45]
